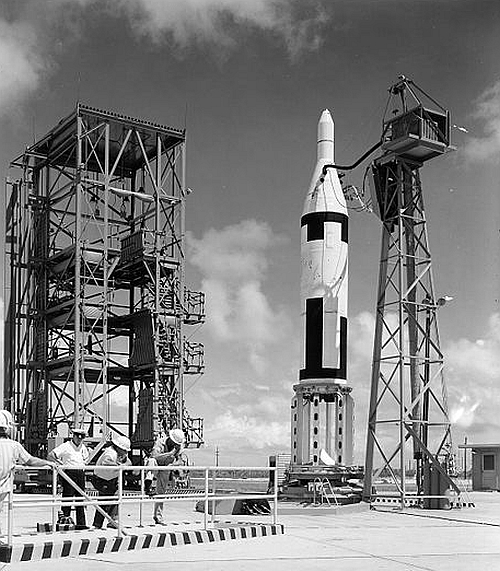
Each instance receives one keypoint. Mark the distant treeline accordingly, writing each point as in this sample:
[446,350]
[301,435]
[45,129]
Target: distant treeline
[238,474]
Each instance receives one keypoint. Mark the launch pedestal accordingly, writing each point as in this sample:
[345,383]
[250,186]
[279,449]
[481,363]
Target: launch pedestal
[322,445]
[322,421]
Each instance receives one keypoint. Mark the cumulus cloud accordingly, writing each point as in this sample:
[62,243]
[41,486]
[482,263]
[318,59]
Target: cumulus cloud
[21,66]
[250,417]
[28,46]
[362,327]
[487,112]
[233,263]
[473,371]
[479,359]
[249,431]
[219,22]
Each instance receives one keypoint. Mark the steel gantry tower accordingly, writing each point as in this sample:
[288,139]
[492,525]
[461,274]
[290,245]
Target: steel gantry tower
[97,306]
[408,414]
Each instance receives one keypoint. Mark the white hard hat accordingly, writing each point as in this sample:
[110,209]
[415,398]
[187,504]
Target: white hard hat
[121,442]
[4,421]
[79,430]
[177,436]
[8,416]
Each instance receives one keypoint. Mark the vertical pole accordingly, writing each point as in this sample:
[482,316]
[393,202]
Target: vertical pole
[157,421]
[105,294]
[120,497]
[10,509]
[306,434]
[424,461]
[54,499]
[132,385]
[182,285]
[377,353]
[299,411]
[78,291]
[275,499]
[465,462]
[142,497]
[401,337]
[294,429]
[408,210]
[329,427]
[214,491]
[205,508]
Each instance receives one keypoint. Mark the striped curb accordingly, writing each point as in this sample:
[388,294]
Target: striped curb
[77,547]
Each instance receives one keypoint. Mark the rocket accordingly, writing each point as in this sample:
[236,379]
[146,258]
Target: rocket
[322,407]
[324,274]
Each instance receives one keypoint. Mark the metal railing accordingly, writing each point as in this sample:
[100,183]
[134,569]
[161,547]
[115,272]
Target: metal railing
[208,494]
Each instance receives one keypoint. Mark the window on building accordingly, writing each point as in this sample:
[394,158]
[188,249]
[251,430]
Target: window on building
[488,461]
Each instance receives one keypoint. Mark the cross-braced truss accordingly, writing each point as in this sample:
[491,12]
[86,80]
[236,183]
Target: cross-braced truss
[408,414]
[97,301]
[408,407]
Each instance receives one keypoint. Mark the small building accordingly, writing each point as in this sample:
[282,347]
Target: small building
[485,466]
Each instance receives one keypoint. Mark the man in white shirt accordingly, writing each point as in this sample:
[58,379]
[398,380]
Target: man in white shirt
[12,453]
[106,481]
[73,456]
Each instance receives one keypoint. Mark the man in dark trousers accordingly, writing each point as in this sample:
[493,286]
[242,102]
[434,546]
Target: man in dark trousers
[106,481]
[73,456]
[166,451]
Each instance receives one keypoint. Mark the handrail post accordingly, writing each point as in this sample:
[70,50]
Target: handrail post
[120,496]
[10,510]
[205,509]
[54,499]
[214,492]
[141,503]
[275,499]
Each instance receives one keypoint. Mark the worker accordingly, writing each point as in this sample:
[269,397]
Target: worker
[73,456]
[106,481]
[166,451]
[12,453]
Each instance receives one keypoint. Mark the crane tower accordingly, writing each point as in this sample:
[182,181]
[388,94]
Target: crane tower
[97,308]
[408,413]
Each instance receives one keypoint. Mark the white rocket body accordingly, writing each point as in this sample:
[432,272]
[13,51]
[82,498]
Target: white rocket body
[322,408]
[324,275]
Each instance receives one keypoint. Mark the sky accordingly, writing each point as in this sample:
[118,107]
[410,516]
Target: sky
[249,79]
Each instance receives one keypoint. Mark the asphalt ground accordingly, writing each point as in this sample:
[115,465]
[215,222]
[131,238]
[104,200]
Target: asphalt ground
[323,538]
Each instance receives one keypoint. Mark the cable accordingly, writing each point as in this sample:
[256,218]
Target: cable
[354,165]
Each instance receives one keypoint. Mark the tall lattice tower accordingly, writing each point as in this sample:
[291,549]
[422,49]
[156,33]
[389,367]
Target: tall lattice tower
[408,414]
[96,300]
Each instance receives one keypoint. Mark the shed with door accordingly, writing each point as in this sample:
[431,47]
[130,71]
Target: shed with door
[485,466]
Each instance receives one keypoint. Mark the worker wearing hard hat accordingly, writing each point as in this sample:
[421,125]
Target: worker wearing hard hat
[166,450]
[73,456]
[12,453]
[106,481]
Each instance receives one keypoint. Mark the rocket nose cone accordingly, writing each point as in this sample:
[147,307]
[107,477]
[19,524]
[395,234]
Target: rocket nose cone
[326,115]
[325,136]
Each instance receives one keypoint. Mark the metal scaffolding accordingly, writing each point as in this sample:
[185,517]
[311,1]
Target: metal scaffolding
[408,414]
[96,298]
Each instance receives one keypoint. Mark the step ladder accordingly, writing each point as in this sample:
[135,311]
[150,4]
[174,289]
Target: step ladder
[324,488]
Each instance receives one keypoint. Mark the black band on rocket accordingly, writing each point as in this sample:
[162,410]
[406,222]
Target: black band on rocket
[314,345]
[315,222]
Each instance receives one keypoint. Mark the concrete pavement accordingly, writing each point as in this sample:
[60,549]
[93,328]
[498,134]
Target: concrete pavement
[320,539]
